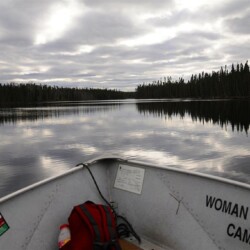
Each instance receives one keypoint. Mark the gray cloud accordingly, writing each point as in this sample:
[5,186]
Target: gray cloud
[232,7]
[129,4]
[102,27]
[122,39]
[175,18]
[239,24]
[20,19]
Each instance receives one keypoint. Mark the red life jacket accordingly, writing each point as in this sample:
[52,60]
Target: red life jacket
[92,227]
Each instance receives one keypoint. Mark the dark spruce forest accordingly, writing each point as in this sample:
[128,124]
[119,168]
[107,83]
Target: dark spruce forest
[225,83]
[13,94]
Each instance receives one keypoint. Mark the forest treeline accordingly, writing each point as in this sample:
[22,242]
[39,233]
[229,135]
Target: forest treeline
[233,83]
[225,83]
[14,94]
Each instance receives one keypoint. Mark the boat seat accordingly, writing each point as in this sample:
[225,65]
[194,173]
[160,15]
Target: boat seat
[131,243]
[126,245]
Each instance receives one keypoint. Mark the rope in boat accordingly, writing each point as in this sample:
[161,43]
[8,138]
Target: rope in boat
[123,229]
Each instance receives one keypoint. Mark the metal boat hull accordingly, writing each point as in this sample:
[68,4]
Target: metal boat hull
[171,208]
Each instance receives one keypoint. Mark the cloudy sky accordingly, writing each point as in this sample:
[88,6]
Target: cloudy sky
[119,43]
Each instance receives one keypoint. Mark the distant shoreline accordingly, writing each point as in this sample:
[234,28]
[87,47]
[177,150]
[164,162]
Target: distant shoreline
[223,84]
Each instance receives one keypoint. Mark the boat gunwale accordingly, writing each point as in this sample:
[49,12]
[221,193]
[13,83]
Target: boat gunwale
[124,161]
[38,184]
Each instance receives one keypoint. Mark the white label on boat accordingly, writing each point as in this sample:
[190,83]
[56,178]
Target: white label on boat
[129,178]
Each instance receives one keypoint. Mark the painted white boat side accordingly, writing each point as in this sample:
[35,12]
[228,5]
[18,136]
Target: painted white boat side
[189,211]
[173,208]
[35,214]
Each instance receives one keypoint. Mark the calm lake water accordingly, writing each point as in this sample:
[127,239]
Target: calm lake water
[202,136]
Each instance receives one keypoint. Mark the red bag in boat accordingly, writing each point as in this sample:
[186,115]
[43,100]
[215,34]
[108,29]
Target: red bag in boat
[92,227]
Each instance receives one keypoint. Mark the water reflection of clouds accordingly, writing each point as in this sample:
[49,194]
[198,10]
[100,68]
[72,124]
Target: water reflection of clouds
[52,166]
[139,134]
[45,147]
[57,121]
[84,148]
[162,158]
[28,132]
[192,146]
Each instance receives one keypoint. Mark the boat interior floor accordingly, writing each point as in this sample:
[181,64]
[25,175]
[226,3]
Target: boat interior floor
[131,244]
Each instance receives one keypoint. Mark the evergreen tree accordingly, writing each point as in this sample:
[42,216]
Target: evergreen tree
[221,84]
